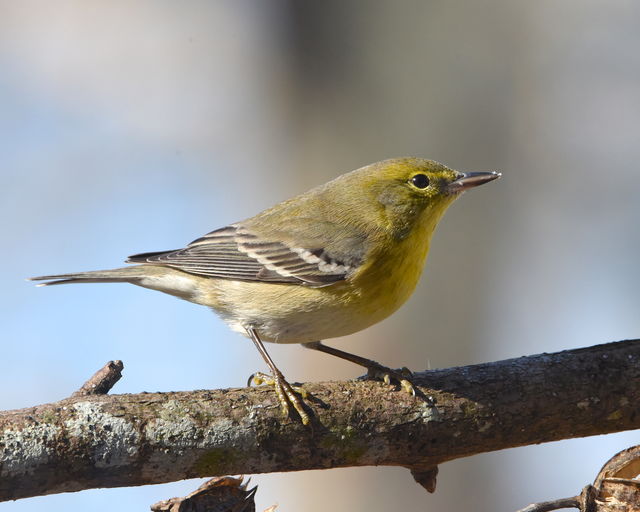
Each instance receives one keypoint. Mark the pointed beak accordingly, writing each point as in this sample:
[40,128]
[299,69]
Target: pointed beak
[468,180]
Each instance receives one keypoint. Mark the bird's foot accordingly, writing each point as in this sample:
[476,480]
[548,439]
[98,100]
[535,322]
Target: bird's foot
[288,395]
[388,376]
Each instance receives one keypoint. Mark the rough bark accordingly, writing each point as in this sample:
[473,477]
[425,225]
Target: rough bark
[123,440]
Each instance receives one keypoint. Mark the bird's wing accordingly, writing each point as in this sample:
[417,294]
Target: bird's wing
[234,252]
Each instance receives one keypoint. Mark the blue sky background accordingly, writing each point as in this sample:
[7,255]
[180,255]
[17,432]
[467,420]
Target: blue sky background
[130,127]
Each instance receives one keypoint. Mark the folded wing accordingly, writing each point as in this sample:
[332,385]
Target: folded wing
[234,252]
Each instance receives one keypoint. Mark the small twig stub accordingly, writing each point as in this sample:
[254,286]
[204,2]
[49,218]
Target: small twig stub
[103,380]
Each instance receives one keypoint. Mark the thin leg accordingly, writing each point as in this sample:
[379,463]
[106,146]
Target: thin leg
[284,390]
[374,369]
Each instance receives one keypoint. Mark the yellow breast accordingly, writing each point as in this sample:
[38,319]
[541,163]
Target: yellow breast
[285,313]
[388,280]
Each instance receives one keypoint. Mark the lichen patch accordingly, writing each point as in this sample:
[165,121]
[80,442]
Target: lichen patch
[22,450]
[113,439]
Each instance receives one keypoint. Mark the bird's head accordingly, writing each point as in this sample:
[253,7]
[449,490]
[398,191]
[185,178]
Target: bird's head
[407,193]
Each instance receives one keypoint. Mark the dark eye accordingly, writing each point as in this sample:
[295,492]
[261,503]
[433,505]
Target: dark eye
[420,181]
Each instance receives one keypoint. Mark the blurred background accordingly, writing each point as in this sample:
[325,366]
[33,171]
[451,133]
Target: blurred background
[139,126]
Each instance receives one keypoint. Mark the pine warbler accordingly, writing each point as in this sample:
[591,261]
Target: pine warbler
[327,263]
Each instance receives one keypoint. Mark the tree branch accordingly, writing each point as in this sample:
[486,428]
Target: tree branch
[94,441]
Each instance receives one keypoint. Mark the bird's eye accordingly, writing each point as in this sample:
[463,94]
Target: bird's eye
[420,181]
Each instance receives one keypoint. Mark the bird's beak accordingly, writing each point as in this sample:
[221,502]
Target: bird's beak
[468,180]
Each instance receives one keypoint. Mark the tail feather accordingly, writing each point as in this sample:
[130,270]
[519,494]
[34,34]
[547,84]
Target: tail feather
[155,277]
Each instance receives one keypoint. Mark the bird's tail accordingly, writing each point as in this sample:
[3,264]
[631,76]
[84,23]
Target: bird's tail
[155,277]
[116,275]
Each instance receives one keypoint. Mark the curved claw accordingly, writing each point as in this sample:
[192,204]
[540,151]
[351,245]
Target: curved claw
[406,372]
[287,394]
[407,386]
[260,378]
[387,375]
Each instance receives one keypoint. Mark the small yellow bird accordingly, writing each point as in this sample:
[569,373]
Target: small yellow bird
[324,264]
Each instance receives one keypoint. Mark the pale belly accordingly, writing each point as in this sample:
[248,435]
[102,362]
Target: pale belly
[284,313]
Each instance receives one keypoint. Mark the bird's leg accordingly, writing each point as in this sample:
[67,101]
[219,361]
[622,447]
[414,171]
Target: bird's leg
[374,370]
[286,393]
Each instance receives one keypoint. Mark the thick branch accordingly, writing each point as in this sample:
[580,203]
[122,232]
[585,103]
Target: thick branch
[122,440]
